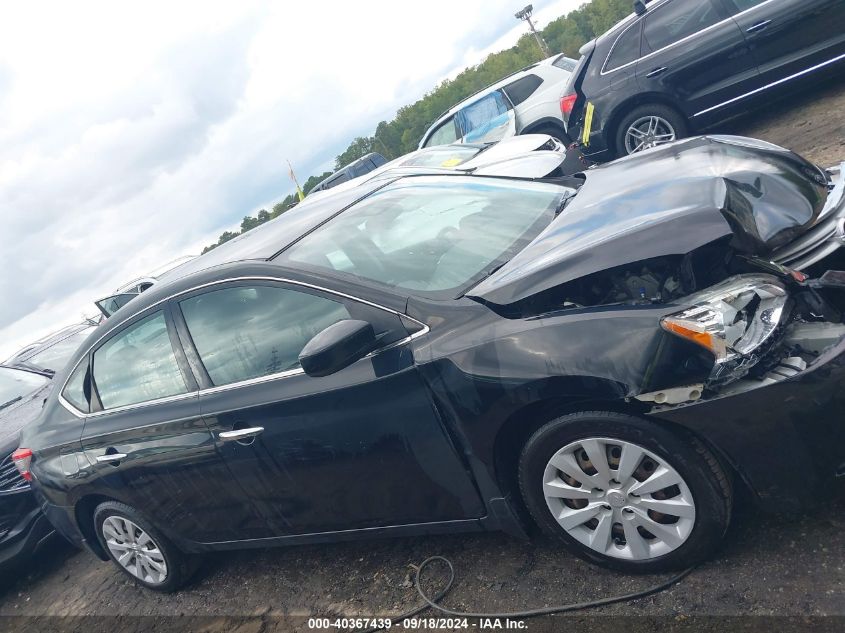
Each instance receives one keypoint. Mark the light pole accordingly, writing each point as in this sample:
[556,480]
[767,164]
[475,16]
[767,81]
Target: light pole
[525,14]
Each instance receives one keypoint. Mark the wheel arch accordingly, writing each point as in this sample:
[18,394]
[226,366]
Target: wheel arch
[518,428]
[635,101]
[544,123]
[84,516]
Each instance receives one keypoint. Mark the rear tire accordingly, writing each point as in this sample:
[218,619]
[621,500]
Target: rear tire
[593,513]
[666,123]
[140,550]
[554,132]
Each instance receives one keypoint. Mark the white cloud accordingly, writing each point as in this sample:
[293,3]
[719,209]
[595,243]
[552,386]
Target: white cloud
[132,134]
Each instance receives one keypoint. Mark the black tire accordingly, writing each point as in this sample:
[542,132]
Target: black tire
[554,132]
[672,116]
[180,567]
[707,480]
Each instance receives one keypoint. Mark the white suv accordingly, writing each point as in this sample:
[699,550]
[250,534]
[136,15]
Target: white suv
[527,102]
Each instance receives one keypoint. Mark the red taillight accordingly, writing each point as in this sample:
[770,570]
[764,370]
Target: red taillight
[567,102]
[22,458]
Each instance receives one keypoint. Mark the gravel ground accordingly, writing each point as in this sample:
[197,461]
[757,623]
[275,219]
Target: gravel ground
[770,566]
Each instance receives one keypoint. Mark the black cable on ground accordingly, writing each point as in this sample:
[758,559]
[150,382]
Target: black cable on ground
[516,615]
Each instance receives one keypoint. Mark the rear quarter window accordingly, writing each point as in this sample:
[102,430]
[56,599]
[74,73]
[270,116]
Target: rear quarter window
[626,49]
[519,90]
[76,389]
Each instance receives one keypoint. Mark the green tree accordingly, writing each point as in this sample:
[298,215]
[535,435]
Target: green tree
[401,135]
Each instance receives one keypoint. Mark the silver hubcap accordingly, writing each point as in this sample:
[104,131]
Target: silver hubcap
[618,498]
[135,550]
[648,131]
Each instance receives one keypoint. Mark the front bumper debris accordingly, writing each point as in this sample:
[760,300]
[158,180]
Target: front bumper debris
[784,432]
[828,234]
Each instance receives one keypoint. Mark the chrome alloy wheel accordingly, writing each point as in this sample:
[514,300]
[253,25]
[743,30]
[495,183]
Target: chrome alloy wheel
[648,131]
[618,498]
[134,550]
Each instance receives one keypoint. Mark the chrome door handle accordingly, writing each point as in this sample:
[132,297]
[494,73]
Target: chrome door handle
[241,434]
[758,27]
[111,457]
[657,71]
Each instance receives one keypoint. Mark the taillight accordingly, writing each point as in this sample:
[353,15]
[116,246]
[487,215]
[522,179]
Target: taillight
[22,458]
[567,103]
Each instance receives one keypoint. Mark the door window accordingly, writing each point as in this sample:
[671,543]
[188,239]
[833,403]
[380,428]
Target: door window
[676,20]
[138,365]
[246,332]
[444,134]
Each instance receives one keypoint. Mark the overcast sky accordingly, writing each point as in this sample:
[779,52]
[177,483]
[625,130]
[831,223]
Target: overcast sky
[134,133]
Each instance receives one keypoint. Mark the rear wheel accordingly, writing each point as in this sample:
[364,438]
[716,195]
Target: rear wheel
[625,493]
[139,549]
[648,126]
[554,132]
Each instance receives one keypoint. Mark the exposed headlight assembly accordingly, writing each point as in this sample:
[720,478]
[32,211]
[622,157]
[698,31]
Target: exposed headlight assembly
[733,319]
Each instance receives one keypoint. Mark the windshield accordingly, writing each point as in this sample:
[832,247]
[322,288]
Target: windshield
[434,234]
[16,384]
[56,356]
[442,156]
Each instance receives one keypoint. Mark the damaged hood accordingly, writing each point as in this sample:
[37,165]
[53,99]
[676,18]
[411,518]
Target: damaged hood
[669,200]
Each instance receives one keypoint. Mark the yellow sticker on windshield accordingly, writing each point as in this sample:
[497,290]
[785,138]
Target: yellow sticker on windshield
[451,162]
[588,124]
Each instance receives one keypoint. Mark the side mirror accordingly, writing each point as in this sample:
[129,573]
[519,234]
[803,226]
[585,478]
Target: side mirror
[639,7]
[337,346]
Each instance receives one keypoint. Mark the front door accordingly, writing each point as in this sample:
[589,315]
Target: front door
[788,37]
[149,445]
[361,448]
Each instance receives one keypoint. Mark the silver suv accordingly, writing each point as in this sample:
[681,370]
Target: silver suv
[526,102]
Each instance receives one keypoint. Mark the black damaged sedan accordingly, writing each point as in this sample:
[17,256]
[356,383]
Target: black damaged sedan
[612,354]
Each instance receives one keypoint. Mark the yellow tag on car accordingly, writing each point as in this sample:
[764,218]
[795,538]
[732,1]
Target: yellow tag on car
[588,124]
[451,162]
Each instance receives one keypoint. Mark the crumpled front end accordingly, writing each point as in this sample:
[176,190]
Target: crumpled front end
[774,402]
[755,198]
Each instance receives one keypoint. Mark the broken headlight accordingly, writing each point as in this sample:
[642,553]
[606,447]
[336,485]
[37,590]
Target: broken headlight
[734,320]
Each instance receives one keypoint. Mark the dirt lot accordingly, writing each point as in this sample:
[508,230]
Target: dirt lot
[770,566]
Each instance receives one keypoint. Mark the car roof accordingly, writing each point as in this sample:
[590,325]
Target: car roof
[549,61]
[30,350]
[263,242]
[346,168]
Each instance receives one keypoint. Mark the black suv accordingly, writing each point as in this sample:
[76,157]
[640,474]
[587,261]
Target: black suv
[679,65]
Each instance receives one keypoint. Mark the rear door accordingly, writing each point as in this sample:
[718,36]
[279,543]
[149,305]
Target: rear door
[361,448]
[788,37]
[692,52]
[147,443]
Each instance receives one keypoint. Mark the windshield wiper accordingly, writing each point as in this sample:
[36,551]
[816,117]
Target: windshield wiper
[32,369]
[10,402]
[562,205]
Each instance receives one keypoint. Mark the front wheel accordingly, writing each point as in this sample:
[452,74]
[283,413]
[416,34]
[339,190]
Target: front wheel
[139,549]
[624,492]
[649,126]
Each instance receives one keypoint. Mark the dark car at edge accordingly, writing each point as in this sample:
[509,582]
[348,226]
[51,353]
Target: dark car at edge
[684,65]
[25,382]
[613,354]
